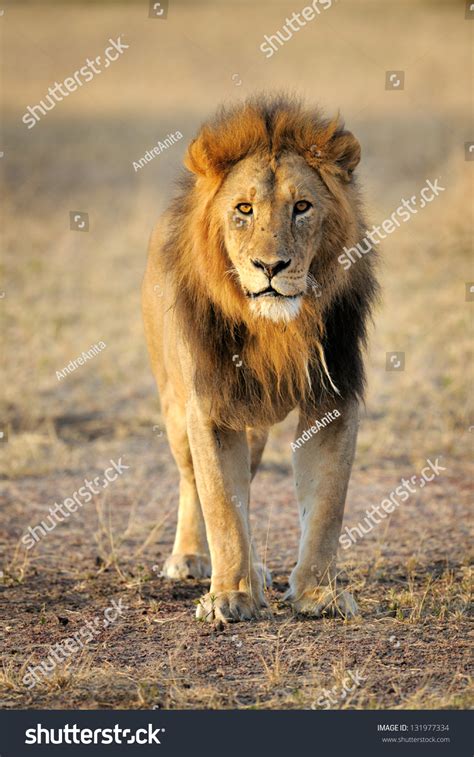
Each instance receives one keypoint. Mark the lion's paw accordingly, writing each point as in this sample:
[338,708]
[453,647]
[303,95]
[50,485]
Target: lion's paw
[227,607]
[179,567]
[324,600]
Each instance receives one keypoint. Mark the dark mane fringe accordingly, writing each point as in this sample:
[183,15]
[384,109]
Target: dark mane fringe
[283,365]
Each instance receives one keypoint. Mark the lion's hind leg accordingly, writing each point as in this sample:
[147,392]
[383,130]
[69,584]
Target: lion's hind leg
[257,438]
[190,555]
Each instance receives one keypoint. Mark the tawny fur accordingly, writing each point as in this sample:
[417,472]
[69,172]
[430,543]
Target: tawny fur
[229,364]
[282,364]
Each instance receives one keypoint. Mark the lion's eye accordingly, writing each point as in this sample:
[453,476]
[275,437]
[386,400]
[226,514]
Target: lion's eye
[245,208]
[301,207]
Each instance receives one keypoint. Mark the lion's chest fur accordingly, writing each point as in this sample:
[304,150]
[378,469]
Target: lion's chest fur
[254,379]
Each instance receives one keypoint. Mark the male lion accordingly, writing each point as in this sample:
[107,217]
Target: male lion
[248,314]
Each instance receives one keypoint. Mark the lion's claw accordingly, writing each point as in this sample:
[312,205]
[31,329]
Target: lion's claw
[323,600]
[227,607]
[179,567]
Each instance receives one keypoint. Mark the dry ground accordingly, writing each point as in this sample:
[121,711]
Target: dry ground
[66,290]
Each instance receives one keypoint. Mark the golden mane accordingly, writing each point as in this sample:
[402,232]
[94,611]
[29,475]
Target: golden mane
[282,365]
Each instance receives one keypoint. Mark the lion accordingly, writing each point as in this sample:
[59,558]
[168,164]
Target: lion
[248,315]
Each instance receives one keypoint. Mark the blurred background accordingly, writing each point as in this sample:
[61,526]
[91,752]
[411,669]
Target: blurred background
[66,290]
[63,290]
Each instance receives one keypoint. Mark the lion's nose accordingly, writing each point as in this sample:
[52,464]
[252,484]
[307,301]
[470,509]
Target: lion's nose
[271,269]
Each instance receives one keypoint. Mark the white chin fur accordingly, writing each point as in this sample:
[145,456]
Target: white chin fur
[276,308]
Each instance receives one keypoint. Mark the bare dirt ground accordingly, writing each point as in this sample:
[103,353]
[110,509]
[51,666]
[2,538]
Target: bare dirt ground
[410,646]
[66,290]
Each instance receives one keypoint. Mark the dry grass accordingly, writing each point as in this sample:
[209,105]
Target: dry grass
[67,290]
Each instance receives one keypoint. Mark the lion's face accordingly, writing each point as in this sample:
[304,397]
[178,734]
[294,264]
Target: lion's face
[272,219]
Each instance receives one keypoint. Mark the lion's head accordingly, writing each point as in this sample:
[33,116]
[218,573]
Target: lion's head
[272,216]
[267,208]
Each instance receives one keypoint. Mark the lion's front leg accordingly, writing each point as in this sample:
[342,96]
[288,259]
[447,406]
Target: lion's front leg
[222,469]
[322,466]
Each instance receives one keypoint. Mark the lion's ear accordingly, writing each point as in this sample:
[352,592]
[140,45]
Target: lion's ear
[196,158]
[344,152]
[200,158]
